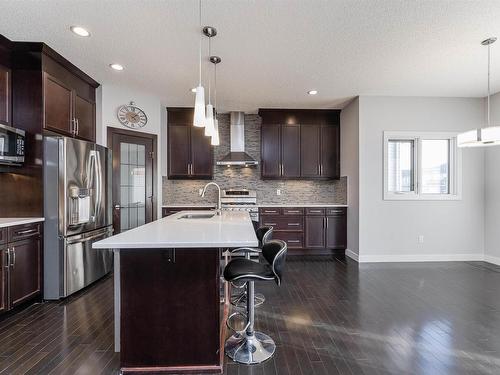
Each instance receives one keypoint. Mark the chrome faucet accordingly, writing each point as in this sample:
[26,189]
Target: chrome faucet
[219,205]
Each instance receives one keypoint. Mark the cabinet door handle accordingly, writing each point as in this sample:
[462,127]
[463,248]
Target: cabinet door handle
[13,257]
[293,241]
[316,211]
[270,224]
[27,231]
[8,258]
[294,224]
[293,212]
[77,126]
[326,220]
[270,211]
[321,169]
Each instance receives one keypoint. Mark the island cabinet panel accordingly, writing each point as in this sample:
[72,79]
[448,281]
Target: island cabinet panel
[190,154]
[307,230]
[300,144]
[167,211]
[4,274]
[5,96]
[161,331]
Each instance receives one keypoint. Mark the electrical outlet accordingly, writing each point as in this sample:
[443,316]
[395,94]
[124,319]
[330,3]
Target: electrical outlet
[421,238]
[278,191]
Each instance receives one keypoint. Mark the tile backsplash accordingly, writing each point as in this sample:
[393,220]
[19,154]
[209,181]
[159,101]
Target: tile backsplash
[292,191]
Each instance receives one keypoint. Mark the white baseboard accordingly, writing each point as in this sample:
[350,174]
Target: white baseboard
[420,258]
[351,254]
[492,259]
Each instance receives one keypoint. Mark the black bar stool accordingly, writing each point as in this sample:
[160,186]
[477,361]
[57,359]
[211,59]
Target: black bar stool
[249,346]
[264,235]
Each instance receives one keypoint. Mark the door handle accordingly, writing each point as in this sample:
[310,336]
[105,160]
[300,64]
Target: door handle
[13,256]
[77,126]
[117,207]
[8,259]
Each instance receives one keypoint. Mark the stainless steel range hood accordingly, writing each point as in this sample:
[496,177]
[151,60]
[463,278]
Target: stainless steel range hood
[237,156]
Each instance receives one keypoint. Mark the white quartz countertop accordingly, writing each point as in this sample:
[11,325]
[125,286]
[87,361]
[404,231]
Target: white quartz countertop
[11,221]
[230,229]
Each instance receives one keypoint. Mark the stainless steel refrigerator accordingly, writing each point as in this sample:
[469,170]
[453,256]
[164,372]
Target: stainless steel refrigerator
[77,203]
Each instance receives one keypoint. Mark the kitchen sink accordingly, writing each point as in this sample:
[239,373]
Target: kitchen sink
[204,215]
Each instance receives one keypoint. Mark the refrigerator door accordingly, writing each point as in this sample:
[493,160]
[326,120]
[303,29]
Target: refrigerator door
[79,178]
[82,264]
[103,214]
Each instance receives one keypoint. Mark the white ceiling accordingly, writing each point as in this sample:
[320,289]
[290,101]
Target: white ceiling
[273,51]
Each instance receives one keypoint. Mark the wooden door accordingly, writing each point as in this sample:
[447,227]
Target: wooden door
[270,151]
[4,273]
[290,151]
[336,232]
[201,154]
[25,278]
[134,178]
[85,118]
[330,151]
[315,232]
[58,102]
[179,151]
[310,145]
[5,95]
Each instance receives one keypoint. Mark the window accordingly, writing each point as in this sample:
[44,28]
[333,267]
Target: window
[423,166]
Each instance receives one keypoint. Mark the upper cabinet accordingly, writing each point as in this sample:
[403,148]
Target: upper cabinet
[300,144]
[190,154]
[52,92]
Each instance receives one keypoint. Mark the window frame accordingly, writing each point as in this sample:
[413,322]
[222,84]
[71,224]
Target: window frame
[455,165]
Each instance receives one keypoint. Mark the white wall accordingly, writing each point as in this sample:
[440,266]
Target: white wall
[349,159]
[109,98]
[492,190]
[388,230]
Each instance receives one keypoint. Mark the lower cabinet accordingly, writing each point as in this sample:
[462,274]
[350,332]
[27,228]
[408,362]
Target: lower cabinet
[308,230]
[21,265]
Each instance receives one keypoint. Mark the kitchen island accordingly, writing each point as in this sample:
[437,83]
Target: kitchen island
[167,290]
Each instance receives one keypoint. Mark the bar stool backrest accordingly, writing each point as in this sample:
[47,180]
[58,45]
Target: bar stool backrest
[264,235]
[275,253]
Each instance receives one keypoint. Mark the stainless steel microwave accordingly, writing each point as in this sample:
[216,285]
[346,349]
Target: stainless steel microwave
[11,145]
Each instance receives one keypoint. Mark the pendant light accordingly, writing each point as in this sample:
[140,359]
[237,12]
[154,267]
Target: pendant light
[215,136]
[210,32]
[489,136]
[199,102]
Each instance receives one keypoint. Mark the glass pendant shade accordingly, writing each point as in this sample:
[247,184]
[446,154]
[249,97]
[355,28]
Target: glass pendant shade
[215,137]
[199,108]
[209,123]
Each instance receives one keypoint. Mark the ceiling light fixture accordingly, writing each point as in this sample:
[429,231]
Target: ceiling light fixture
[312,92]
[489,136]
[116,66]
[199,101]
[210,32]
[80,31]
[215,136]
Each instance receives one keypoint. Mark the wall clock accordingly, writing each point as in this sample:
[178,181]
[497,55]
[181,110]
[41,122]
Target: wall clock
[131,116]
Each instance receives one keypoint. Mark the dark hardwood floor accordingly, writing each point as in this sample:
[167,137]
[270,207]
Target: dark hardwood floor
[329,317]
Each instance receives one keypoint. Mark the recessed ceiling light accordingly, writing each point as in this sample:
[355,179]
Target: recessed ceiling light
[312,92]
[116,66]
[193,89]
[80,31]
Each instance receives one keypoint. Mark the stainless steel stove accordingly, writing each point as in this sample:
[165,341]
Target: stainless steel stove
[241,200]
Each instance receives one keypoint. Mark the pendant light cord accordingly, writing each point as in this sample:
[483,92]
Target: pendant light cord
[209,54]
[489,63]
[215,89]
[199,3]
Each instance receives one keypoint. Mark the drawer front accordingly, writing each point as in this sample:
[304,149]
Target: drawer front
[293,211]
[314,211]
[292,223]
[336,211]
[3,237]
[21,232]
[270,211]
[294,240]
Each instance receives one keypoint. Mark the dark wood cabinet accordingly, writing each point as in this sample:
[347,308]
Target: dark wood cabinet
[84,115]
[58,108]
[20,260]
[190,154]
[315,232]
[279,151]
[5,96]
[308,230]
[25,270]
[300,144]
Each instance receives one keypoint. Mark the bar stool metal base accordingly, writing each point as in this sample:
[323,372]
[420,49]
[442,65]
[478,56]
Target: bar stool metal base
[250,350]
